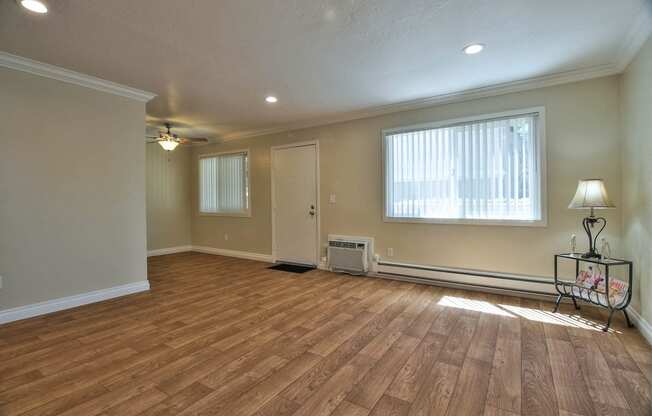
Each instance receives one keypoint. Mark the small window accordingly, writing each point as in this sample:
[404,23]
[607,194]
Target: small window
[224,184]
[486,170]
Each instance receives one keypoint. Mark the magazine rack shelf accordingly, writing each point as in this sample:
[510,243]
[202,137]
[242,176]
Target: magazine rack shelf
[602,298]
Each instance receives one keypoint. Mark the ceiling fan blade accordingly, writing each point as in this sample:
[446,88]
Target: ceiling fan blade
[184,140]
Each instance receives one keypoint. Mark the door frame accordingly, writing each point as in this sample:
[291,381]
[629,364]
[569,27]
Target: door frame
[317,190]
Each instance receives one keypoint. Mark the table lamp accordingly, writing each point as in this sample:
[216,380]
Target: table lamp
[591,194]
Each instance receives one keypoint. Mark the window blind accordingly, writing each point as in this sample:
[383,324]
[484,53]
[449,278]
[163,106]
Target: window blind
[479,170]
[223,183]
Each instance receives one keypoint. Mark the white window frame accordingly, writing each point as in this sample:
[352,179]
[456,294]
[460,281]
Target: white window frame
[541,164]
[246,213]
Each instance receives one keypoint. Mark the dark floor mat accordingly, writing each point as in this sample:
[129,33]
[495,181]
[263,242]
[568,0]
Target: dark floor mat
[292,268]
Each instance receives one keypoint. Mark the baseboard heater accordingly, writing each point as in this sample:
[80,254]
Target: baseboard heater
[467,278]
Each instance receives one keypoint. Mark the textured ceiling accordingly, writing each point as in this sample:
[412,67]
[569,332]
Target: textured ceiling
[213,62]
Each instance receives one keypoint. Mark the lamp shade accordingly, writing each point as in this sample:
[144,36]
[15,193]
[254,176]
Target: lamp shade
[591,193]
[168,144]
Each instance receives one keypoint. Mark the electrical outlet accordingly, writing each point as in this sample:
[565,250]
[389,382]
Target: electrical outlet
[226,237]
[390,252]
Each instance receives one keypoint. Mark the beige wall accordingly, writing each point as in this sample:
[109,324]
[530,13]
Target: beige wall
[168,197]
[582,141]
[72,189]
[636,99]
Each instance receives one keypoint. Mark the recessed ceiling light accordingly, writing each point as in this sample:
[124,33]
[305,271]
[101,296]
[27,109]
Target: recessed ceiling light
[271,99]
[473,48]
[35,6]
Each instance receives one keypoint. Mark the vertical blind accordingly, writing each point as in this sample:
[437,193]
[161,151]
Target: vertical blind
[223,183]
[484,170]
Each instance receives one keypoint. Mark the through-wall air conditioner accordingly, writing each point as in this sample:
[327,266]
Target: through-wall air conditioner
[349,254]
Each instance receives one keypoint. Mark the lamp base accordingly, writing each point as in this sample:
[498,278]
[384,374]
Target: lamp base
[591,255]
[588,223]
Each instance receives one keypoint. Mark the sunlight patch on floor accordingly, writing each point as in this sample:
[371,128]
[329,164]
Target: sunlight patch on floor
[537,315]
[473,305]
[546,317]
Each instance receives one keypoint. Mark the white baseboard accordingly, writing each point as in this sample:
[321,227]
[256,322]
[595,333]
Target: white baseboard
[643,326]
[54,305]
[212,250]
[234,253]
[169,250]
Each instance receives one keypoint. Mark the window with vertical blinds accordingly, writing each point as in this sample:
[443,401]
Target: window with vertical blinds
[223,185]
[487,170]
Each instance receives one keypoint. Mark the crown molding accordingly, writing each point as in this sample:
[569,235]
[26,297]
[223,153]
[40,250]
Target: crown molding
[448,98]
[640,30]
[42,69]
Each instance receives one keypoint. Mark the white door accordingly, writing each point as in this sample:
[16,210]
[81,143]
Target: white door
[294,204]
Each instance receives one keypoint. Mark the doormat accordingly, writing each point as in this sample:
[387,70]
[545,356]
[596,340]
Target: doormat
[292,268]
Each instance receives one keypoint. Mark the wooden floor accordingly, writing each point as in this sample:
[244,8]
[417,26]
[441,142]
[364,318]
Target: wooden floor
[224,336]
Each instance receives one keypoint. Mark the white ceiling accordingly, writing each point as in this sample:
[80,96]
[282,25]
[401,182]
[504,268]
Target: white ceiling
[213,62]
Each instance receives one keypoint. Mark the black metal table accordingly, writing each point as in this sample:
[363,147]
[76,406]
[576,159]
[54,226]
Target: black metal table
[591,295]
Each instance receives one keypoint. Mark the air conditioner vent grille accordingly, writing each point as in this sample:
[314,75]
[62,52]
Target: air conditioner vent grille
[348,255]
[346,244]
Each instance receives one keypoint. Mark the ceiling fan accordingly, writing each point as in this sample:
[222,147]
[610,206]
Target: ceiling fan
[170,141]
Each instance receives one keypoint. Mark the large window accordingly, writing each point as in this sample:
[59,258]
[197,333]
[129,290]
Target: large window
[483,170]
[223,184]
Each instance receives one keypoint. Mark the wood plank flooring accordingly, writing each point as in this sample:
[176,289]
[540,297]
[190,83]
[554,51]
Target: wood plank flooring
[223,336]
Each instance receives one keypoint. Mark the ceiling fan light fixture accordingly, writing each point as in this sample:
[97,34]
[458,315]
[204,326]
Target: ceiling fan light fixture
[35,6]
[168,145]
